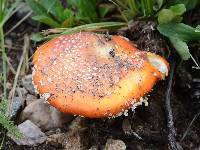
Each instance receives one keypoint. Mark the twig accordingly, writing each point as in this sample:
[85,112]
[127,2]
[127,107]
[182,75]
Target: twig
[191,123]
[12,47]
[18,23]
[12,94]
[168,111]
[10,65]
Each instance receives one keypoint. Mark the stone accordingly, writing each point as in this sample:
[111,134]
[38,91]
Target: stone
[21,92]
[44,115]
[17,106]
[31,134]
[30,98]
[112,144]
[27,83]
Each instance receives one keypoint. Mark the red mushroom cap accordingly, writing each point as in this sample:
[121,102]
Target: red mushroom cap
[95,75]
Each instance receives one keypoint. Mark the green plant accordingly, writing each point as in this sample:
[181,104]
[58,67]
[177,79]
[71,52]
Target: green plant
[76,13]
[142,8]
[6,122]
[52,33]
[6,11]
[179,34]
[172,14]
[167,13]
[85,12]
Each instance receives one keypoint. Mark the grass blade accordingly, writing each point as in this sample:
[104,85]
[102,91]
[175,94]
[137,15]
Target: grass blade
[15,6]
[90,27]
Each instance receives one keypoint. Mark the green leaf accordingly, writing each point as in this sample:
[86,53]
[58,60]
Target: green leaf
[3,106]
[197,29]
[37,8]
[94,26]
[103,10]
[147,7]
[10,126]
[178,9]
[180,31]
[54,8]
[90,27]
[47,20]
[132,6]
[158,4]
[68,13]
[165,16]
[37,37]
[69,21]
[181,48]
[86,11]
[189,4]
[8,12]
[173,14]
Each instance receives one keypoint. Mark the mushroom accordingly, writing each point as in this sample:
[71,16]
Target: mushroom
[95,75]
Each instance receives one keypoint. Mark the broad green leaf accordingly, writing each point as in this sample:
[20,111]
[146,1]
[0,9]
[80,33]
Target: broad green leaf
[68,13]
[165,16]
[55,8]
[180,31]
[37,37]
[177,19]
[181,48]
[69,21]
[178,9]
[87,11]
[37,8]
[47,20]
[173,14]
[75,3]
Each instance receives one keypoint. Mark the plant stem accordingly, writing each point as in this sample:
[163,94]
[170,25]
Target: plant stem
[4,62]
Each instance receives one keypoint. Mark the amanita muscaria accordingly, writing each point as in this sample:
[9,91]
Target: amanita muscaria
[95,75]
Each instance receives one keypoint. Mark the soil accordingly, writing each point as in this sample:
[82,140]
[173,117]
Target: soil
[149,123]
